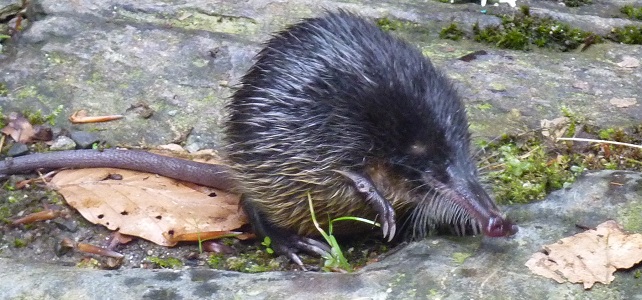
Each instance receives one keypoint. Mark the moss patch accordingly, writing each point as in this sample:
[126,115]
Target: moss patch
[258,261]
[388,24]
[451,32]
[3,88]
[627,35]
[633,217]
[632,12]
[523,32]
[576,3]
[38,118]
[526,168]
[460,257]
[166,263]
[525,171]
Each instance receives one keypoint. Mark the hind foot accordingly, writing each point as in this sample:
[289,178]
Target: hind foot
[283,242]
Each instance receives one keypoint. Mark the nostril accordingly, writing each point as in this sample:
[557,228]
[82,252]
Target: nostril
[498,227]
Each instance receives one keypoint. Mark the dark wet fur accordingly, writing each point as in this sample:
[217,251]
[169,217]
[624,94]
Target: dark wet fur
[337,93]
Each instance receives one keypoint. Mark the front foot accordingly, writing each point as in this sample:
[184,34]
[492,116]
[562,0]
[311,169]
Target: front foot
[385,212]
[283,242]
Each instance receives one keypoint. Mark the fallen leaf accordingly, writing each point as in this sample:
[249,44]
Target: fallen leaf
[173,147]
[623,102]
[19,128]
[629,62]
[581,85]
[588,257]
[554,128]
[152,207]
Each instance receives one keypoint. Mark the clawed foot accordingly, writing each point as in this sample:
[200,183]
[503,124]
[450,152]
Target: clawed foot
[282,241]
[385,212]
[291,244]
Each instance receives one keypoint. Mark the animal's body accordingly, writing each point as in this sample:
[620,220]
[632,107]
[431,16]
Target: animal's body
[360,121]
[332,102]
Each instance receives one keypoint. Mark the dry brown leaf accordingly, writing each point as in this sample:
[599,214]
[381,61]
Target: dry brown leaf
[629,62]
[581,85]
[588,257]
[623,102]
[19,128]
[152,207]
[554,128]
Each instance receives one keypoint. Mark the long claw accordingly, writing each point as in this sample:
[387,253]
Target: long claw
[393,230]
[284,242]
[385,212]
[298,243]
[312,246]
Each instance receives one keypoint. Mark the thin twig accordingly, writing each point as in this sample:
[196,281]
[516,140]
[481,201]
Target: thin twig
[599,141]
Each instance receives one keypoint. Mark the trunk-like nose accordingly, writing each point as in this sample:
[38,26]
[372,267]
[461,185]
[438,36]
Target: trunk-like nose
[482,208]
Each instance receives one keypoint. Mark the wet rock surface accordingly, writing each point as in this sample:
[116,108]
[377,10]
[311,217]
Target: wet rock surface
[183,59]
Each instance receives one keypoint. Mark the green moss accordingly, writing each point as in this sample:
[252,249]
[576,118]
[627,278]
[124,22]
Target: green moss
[255,262]
[191,19]
[523,31]
[3,122]
[627,35]
[54,197]
[165,263]
[19,243]
[215,261]
[615,157]
[3,89]
[574,120]
[526,172]
[633,218]
[451,32]
[484,106]
[38,118]
[26,92]
[513,39]
[5,214]
[526,168]
[632,12]
[387,24]
[459,257]
[91,263]
[576,3]
[606,134]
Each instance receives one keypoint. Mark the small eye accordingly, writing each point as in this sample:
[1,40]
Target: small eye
[418,149]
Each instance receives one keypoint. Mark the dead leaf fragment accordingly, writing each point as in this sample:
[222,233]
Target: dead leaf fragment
[581,85]
[629,62]
[588,257]
[19,128]
[623,102]
[554,128]
[155,208]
